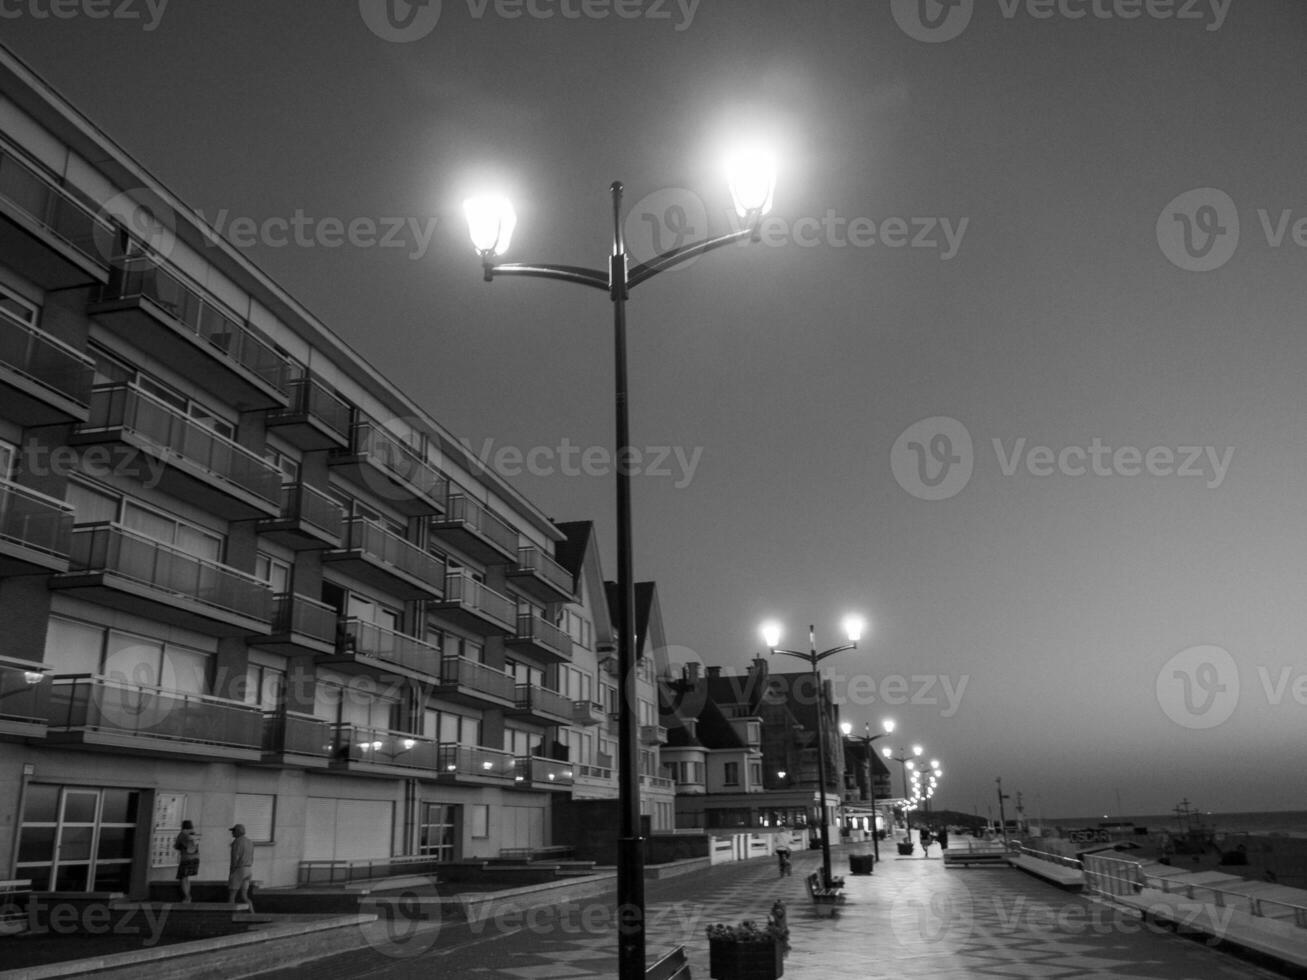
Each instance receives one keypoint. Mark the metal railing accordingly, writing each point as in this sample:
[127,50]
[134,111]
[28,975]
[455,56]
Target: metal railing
[302,502]
[298,734]
[45,360]
[293,613]
[33,520]
[195,312]
[534,627]
[1060,859]
[532,697]
[381,746]
[544,772]
[90,702]
[343,872]
[111,548]
[399,460]
[473,760]
[55,208]
[387,548]
[371,640]
[128,407]
[462,588]
[309,396]
[531,560]
[478,677]
[462,509]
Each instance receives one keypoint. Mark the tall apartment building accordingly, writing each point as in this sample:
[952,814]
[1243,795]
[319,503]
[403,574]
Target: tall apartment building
[243,577]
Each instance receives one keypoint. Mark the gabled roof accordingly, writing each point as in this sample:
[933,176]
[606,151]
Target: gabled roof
[644,604]
[570,552]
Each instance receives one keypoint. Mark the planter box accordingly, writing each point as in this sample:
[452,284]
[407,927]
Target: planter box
[906,847]
[729,960]
[861,864]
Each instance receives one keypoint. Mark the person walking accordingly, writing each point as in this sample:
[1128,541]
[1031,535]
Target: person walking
[783,857]
[241,879]
[187,845]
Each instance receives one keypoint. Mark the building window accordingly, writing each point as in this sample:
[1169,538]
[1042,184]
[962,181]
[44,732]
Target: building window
[755,774]
[257,811]
[731,775]
[80,648]
[273,571]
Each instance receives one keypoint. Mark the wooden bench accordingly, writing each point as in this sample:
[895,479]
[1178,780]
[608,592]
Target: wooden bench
[965,856]
[674,966]
[824,900]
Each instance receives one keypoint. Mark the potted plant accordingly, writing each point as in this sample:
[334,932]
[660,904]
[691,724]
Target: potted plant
[749,950]
[906,846]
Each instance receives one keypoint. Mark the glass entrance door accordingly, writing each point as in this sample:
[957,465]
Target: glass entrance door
[77,838]
[440,830]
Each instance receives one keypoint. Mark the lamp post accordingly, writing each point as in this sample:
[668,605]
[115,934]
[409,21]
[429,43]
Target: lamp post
[906,761]
[491,221]
[771,634]
[866,739]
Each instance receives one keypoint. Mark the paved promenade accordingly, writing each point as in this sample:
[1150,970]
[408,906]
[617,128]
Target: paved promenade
[912,918]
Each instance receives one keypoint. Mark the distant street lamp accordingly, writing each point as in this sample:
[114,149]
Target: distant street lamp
[491,222]
[906,761]
[771,634]
[866,740]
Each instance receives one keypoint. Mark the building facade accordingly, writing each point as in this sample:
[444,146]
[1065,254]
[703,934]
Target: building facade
[244,577]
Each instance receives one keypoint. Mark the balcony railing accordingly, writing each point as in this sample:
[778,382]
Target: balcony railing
[464,673]
[534,564]
[587,713]
[22,699]
[304,504]
[539,632]
[289,733]
[382,747]
[92,703]
[369,640]
[195,313]
[542,701]
[55,209]
[312,402]
[45,361]
[115,550]
[34,521]
[386,550]
[653,734]
[128,408]
[657,782]
[464,513]
[536,771]
[463,590]
[477,762]
[302,616]
[407,470]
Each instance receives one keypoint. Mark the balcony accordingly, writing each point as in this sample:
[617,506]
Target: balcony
[472,605]
[614,725]
[35,531]
[468,682]
[382,752]
[658,782]
[159,446]
[374,647]
[316,418]
[125,570]
[538,575]
[653,735]
[104,712]
[541,706]
[48,233]
[43,381]
[309,519]
[291,739]
[24,694]
[476,765]
[394,471]
[387,562]
[300,625]
[177,321]
[472,529]
[586,713]
[536,773]
[537,635]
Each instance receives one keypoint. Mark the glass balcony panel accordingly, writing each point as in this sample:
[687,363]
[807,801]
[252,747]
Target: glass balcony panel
[33,520]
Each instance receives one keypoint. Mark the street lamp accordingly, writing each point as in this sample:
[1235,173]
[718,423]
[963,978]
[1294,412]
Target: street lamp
[771,635]
[906,761]
[491,222]
[866,739]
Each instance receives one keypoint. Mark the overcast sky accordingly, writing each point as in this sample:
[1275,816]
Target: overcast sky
[982,226]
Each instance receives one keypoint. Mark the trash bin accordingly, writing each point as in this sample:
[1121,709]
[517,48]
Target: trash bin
[861,864]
